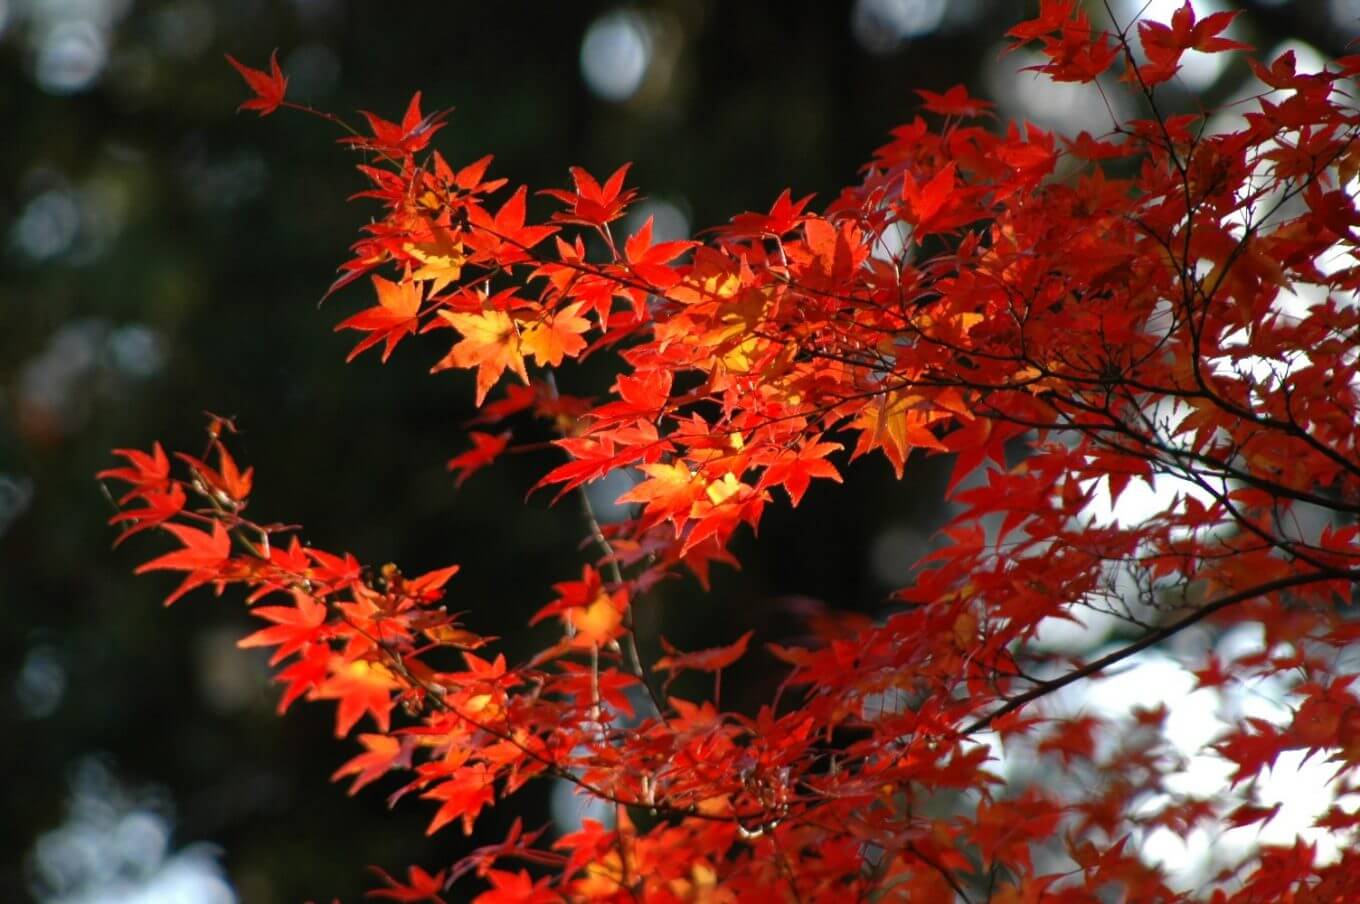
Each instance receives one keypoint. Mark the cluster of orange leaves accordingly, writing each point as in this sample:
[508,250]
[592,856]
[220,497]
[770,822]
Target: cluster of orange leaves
[1114,301]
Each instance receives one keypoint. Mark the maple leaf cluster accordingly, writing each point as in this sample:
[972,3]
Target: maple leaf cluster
[1162,304]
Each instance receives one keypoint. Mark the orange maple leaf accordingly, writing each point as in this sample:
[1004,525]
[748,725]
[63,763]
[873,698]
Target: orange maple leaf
[381,753]
[462,796]
[556,337]
[393,317]
[593,613]
[360,687]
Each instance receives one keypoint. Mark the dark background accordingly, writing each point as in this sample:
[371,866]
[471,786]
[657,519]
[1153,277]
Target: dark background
[160,256]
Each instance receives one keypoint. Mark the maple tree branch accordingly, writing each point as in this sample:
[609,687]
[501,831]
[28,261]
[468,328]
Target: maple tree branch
[1114,425]
[611,563]
[1152,639]
[1056,313]
[1193,286]
[436,695]
[625,878]
[782,859]
[1224,498]
[944,874]
[616,575]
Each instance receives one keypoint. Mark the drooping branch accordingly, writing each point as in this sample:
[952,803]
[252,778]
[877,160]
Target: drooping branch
[1151,639]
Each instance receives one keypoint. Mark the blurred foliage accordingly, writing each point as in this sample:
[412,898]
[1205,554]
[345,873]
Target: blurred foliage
[160,256]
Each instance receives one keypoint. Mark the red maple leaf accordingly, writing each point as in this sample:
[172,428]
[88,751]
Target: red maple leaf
[486,448]
[400,139]
[926,201]
[203,557]
[784,216]
[954,102]
[650,261]
[1164,44]
[419,886]
[144,470]
[149,476]
[227,481]
[294,626]
[269,87]
[504,238]
[592,204]
[160,506]
[1053,16]
[710,660]
[381,753]
[518,397]
[795,472]
[517,888]
[304,675]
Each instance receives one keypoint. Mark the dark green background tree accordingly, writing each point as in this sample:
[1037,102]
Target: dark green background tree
[160,256]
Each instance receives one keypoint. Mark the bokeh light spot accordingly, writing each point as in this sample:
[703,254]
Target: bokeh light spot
[615,55]
[48,225]
[70,57]
[41,682]
[881,26]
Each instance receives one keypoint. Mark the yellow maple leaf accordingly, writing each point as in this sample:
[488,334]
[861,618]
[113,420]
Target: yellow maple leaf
[894,423]
[441,260]
[490,343]
[599,622]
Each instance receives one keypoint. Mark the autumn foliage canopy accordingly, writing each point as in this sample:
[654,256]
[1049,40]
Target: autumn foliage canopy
[1067,318]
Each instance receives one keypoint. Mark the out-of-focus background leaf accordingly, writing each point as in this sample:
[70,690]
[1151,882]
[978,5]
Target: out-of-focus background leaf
[160,256]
